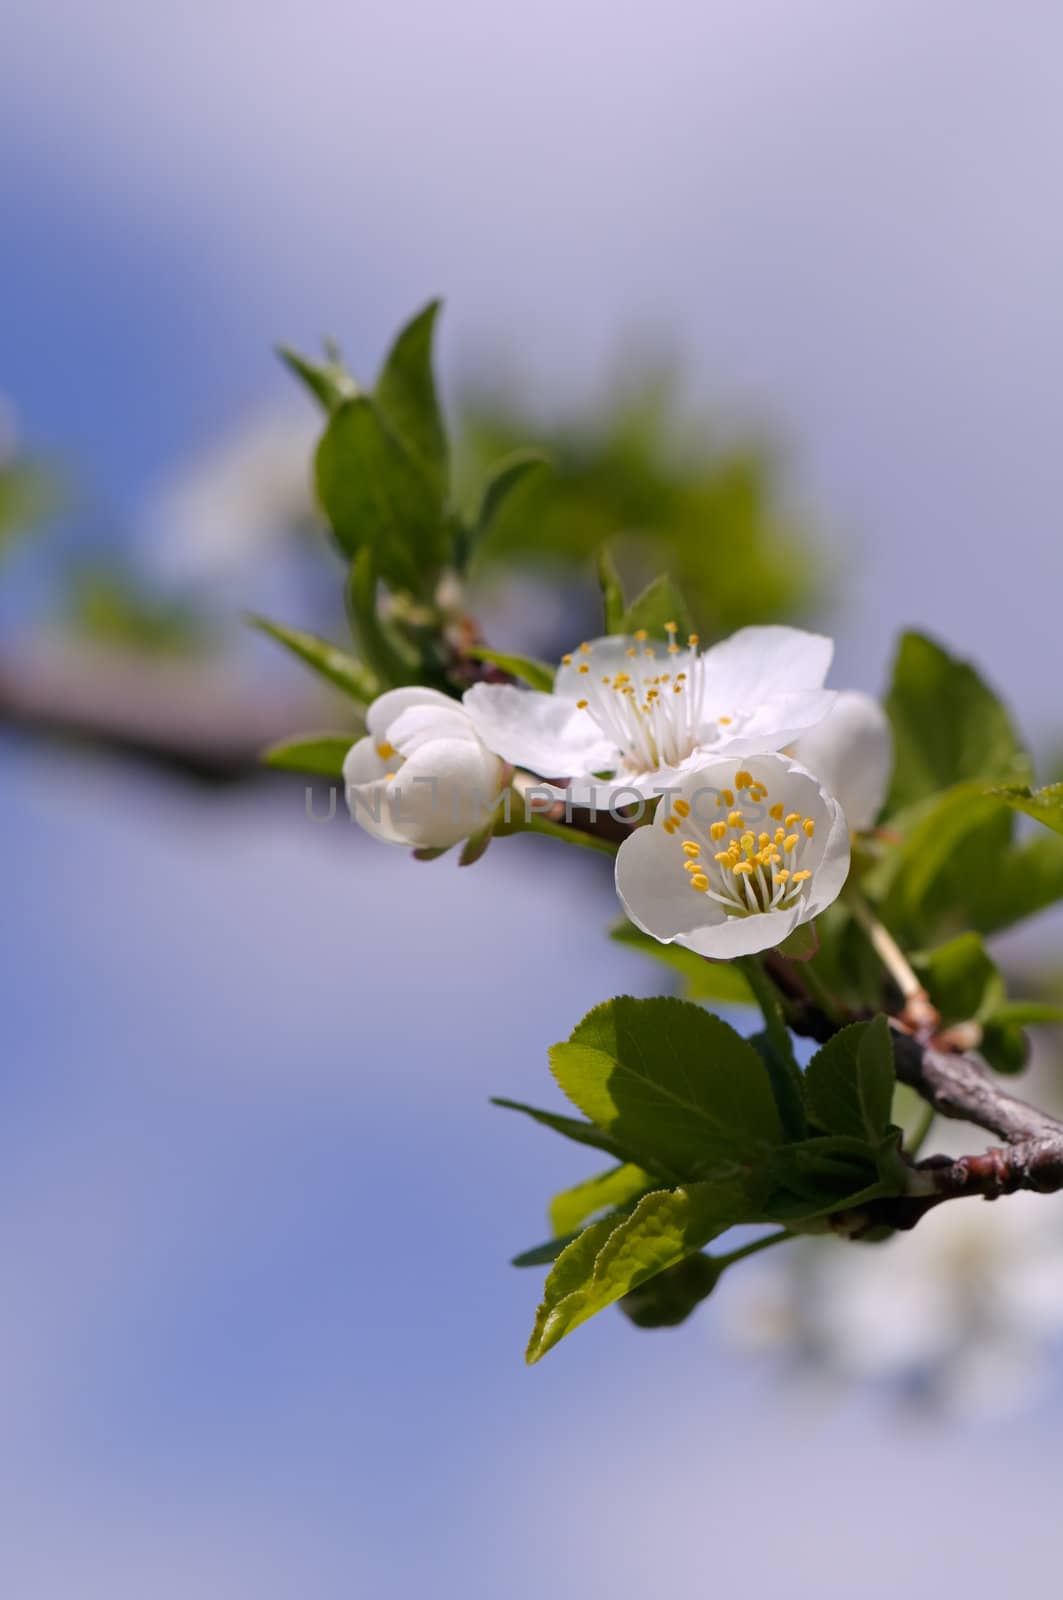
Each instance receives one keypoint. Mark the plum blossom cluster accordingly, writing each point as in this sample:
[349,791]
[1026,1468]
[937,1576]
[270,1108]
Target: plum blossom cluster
[739,774]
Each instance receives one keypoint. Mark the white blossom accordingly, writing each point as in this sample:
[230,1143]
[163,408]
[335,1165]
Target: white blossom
[851,753]
[421,777]
[648,714]
[735,858]
[959,1313]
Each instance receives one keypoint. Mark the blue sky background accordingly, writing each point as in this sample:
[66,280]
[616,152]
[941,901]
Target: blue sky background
[259,1335]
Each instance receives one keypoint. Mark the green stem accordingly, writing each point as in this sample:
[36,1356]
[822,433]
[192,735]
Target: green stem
[745,1250]
[820,993]
[917,1139]
[779,1058]
[558,830]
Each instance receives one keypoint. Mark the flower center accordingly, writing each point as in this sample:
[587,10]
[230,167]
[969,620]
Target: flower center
[743,870]
[651,710]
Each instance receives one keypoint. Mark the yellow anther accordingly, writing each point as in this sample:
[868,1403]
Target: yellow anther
[742,867]
[673,649]
[670,826]
[743,779]
[692,849]
[724,855]
[782,876]
[583,667]
[680,676]
[748,842]
[631,651]
[666,677]
[566,661]
[699,881]
[724,721]
[385,750]
[776,812]
[692,640]
[758,793]
[585,648]
[581,705]
[789,842]
[735,819]
[763,840]
[650,655]
[780,835]
[809,827]
[622,678]
[718,830]
[728,799]
[692,866]
[670,627]
[606,682]
[677,688]
[641,635]
[792,817]
[681,807]
[799,877]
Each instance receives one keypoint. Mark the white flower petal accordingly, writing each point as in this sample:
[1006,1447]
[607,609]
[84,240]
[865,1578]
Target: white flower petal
[363,764]
[386,708]
[788,837]
[756,663]
[419,724]
[769,725]
[542,732]
[851,753]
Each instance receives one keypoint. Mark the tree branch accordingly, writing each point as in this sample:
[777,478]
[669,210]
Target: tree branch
[184,716]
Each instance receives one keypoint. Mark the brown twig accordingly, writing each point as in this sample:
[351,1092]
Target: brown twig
[191,718]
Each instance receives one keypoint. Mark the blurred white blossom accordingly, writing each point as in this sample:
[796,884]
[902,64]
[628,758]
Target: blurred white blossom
[960,1315]
[253,490]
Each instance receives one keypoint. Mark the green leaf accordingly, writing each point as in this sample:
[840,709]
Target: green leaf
[669,1298]
[375,494]
[570,1127]
[680,1091]
[1027,1012]
[611,1259]
[1005,1047]
[1045,805]
[833,1172]
[961,979]
[321,754]
[849,1082]
[605,1191]
[330,662]
[612,593]
[948,726]
[391,658]
[659,602]
[406,394]
[502,481]
[535,673]
[721,981]
[329,382]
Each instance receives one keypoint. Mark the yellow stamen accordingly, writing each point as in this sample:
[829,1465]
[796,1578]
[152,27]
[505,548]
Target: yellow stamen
[718,830]
[799,877]
[670,627]
[385,750]
[742,866]
[581,705]
[641,635]
[783,876]
[724,720]
[735,819]
[681,807]
[789,842]
[699,881]
[792,817]
[566,661]
[692,849]
[743,780]
[809,827]
[776,812]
